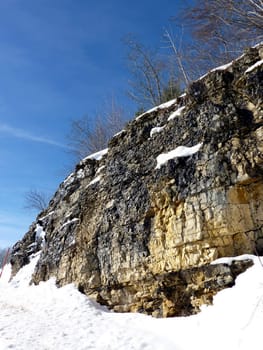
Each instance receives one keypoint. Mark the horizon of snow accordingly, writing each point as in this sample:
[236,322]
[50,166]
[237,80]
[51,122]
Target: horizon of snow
[180,151]
[46,317]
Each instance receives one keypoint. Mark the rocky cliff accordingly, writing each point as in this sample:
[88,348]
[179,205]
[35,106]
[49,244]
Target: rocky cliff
[137,225]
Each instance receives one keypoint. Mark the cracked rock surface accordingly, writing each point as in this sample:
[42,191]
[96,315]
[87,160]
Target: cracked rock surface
[138,236]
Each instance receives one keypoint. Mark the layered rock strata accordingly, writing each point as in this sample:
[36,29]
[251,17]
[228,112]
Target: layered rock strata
[136,226]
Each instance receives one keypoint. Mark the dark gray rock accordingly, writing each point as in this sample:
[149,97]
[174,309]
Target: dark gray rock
[131,234]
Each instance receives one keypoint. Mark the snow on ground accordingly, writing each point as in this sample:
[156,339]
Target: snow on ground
[46,317]
[180,151]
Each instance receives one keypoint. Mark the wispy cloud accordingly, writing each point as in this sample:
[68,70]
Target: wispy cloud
[22,134]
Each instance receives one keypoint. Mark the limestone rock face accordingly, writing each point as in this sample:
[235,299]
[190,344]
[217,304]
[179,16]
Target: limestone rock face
[139,235]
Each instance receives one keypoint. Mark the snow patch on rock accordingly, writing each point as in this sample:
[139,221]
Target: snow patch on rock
[180,151]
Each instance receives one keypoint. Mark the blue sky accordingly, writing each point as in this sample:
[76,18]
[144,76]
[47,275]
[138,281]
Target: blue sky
[59,59]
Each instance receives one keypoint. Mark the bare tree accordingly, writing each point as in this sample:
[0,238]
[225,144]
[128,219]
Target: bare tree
[177,53]
[219,30]
[89,135]
[146,69]
[153,77]
[115,117]
[36,200]
[222,20]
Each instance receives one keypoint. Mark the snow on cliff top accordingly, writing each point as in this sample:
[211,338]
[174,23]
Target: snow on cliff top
[45,317]
[156,108]
[98,155]
[218,68]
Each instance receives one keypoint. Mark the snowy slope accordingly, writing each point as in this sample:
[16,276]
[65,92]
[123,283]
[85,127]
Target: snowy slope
[45,317]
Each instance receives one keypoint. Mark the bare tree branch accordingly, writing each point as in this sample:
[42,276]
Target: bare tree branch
[152,79]
[36,200]
[89,135]
[219,30]
[177,54]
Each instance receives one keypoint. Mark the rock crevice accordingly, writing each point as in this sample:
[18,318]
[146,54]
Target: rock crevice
[140,237]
